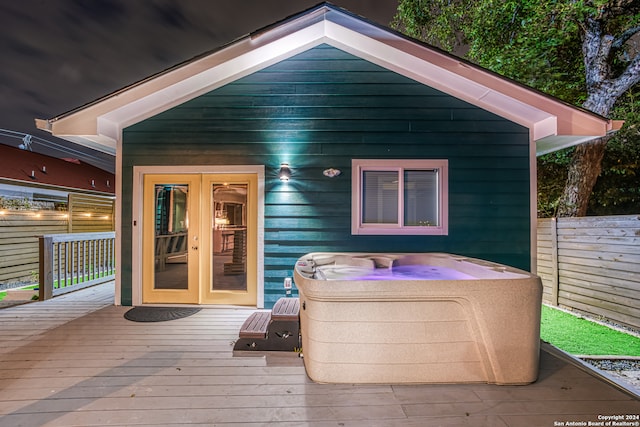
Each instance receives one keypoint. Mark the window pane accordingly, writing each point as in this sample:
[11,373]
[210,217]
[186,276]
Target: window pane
[171,231]
[229,267]
[421,198]
[380,197]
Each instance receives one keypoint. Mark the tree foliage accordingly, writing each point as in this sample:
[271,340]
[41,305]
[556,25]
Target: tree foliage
[533,42]
[581,51]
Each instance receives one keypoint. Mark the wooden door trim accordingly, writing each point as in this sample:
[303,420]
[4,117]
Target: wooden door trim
[137,211]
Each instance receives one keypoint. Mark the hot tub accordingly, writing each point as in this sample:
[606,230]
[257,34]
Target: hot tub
[417,318]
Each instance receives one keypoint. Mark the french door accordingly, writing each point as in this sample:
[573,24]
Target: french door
[200,239]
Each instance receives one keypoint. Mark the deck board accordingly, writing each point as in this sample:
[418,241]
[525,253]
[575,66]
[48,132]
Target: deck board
[75,361]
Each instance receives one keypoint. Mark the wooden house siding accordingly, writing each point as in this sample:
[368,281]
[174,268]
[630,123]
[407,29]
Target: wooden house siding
[321,109]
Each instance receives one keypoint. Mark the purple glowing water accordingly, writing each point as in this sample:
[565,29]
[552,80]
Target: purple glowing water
[402,272]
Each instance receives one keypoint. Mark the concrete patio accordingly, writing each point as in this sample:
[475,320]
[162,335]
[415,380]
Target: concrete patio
[75,361]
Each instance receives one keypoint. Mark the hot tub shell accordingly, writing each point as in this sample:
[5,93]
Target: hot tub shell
[482,329]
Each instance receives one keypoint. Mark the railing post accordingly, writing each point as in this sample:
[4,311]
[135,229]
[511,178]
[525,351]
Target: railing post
[46,268]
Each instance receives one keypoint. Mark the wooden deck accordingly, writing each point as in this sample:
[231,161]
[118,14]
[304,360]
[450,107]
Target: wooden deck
[75,361]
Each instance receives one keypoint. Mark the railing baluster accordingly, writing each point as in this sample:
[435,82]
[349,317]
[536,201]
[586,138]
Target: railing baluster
[78,264]
[58,266]
[98,253]
[62,279]
[92,251]
[84,260]
[111,257]
[101,265]
[65,263]
[70,260]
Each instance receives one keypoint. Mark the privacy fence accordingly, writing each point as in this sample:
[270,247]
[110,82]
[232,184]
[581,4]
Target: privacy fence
[19,231]
[592,264]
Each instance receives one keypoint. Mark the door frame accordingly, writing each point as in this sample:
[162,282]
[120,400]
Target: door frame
[137,217]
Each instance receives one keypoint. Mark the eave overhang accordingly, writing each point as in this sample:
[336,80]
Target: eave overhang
[553,124]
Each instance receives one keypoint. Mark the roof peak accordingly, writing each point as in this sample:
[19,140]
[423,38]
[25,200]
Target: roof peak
[99,124]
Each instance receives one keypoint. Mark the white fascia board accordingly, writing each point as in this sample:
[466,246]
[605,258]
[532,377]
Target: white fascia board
[102,143]
[408,65]
[254,59]
[81,131]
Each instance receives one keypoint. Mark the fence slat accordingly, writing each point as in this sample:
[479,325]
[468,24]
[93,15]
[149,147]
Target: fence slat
[554,262]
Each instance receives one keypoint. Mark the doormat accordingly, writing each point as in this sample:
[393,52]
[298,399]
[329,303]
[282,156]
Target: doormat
[159,314]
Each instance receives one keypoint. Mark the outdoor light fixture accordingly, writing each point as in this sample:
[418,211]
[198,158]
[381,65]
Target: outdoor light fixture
[284,173]
[331,172]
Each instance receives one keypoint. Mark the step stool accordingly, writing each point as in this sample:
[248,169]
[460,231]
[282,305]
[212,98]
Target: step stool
[275,330]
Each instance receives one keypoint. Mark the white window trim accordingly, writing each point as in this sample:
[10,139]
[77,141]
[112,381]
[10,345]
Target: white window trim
[357,167]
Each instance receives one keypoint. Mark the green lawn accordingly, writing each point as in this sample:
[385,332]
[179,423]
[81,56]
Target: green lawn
[580,336]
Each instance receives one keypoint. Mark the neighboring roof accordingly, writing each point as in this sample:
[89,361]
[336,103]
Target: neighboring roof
[24,167]
[553,124]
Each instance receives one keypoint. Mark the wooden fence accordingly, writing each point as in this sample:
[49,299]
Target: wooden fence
[19,231]
[592,264]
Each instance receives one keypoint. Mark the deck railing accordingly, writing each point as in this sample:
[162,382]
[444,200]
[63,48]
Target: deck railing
[69,262]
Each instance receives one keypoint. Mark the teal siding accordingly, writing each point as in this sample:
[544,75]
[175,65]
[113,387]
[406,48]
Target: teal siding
[321,109]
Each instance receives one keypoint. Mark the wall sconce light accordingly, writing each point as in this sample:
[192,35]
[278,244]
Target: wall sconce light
[331,172]
[285,172]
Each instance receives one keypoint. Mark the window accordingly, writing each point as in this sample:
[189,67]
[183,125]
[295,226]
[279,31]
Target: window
[399,197]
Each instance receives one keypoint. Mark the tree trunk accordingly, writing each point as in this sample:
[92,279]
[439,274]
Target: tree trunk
[584,170]
[586,163]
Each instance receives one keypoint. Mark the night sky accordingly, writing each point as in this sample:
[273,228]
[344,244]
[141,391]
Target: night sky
[60,54]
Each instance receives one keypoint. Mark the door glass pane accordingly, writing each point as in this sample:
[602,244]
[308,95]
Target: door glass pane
[171,228]
[229,228]
[379,197]
[421,198]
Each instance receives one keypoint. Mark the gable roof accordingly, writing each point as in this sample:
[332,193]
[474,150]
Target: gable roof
[553,124]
